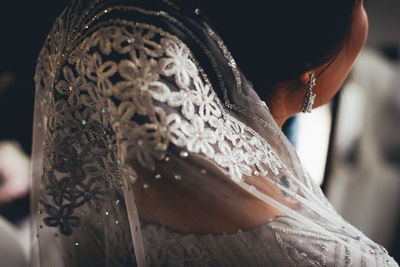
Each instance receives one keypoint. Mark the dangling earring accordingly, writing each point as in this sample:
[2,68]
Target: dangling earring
[310,96]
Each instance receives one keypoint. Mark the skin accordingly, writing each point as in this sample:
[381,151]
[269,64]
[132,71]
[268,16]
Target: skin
[289,96]
[212,203]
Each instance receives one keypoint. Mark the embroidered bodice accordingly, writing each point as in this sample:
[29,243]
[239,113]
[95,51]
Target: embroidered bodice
[134,94]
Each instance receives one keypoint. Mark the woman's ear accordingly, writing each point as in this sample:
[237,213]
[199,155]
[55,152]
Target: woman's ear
[305,77]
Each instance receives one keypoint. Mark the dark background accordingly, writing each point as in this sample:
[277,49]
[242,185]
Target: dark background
[23,28]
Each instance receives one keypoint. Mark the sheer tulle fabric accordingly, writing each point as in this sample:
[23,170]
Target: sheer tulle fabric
[152,149]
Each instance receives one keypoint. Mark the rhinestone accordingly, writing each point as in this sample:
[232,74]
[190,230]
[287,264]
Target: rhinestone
[86,26]
[84,122]
[71,88]
[143,88]
[158,176]
[117,202]
[84,227]
[183,154]
[103,110]
[105,11]
[256,173]
[197,11]
[371,252]
[119,161]
[76,244]
[145,186]
[61,220]
[312,80]
[233,162]
[198,136]
[110,146]
[139,142]
[164,128]
[177,177]
[253,187]
[116,222]
[312,99]
[204,97]
[117,124]
[203,171]
[107,213]
[167,159]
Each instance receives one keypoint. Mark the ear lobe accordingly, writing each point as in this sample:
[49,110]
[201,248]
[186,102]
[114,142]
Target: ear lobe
[305,77]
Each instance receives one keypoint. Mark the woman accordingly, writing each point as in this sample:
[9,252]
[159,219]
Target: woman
[153,149]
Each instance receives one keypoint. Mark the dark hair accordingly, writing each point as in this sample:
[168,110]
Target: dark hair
[278,40]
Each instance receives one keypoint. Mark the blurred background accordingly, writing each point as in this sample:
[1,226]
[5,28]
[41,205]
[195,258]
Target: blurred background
[351,146]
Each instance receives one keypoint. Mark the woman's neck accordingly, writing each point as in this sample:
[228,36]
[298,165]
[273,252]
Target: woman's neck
[285,102]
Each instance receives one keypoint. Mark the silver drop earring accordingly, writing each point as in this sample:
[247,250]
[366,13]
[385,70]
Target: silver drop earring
[310,96]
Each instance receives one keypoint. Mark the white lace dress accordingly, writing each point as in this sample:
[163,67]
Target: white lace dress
[138,99]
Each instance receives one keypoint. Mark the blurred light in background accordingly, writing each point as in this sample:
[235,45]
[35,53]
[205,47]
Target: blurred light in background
[313,141]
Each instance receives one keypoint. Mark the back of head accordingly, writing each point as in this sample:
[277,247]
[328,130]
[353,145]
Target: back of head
[276,41]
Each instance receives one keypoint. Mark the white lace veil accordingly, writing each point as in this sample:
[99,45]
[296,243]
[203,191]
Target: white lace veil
[151,148]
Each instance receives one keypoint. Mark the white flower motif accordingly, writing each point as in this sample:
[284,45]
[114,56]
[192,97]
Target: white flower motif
[198,137]
[208,105]
[177,63]
[80,57]
[101,71]
[103,37]
[273,162]
[187,99]
[268,156]
[257,158]
[233,159]
[140,84]
[221,131]
[147,141]
[176,135]
[239,136]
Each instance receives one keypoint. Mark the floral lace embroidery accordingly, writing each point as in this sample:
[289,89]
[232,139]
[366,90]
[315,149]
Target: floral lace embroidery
[89,101]
[146,77]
